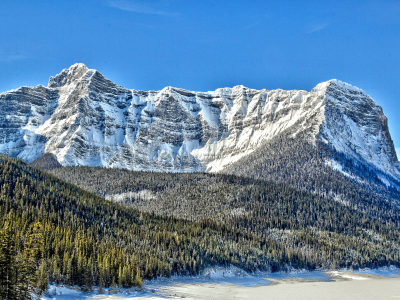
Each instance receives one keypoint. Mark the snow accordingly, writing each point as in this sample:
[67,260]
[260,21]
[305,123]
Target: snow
[384,181]
[391,271]
[143,194]
[241,143]
[343,85]
[119,128]
[346,86]
[338,167]
[360,141]
[188,147]
[164,288]
[349,276]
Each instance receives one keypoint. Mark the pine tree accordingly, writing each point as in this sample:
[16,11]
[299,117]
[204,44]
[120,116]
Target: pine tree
[120,278]
[138,279]
[101,285]
[88,277]
[36,279]
[42,285]
[113,287]
[7,264]
[22,280]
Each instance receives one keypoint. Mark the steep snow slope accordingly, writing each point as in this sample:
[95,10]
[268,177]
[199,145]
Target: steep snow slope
[85,119]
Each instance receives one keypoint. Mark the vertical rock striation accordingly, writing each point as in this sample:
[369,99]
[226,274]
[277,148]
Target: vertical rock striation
[85,119]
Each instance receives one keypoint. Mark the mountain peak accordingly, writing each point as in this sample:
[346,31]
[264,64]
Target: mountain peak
[345,85]
[337,83]
[78,66]
[66,76]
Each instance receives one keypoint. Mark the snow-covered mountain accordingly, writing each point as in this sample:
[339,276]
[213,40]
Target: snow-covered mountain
[85,119]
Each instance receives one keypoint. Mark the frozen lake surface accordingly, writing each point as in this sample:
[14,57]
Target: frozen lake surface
[223,284]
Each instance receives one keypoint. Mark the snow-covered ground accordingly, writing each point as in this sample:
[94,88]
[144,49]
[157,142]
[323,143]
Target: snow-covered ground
[221,279]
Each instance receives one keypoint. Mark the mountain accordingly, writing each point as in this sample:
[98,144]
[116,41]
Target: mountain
[85,119]
[294,180]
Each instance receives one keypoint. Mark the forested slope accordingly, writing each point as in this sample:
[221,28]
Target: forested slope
[89,241]
[310,166]
[46,162]
[299,219]
[198,196]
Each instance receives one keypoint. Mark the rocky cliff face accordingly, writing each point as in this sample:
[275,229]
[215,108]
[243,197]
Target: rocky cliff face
[85,119]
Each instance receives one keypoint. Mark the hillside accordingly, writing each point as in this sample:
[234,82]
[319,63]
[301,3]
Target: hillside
[90,241]
[46,162]
[318,168]
[198,196]
[299,219]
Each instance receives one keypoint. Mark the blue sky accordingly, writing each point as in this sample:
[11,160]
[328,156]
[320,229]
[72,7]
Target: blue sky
[203,45]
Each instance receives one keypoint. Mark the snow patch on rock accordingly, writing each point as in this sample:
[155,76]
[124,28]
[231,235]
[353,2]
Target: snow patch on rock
[85,119]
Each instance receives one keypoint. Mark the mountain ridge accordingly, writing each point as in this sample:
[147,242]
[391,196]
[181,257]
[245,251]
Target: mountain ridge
[85,119]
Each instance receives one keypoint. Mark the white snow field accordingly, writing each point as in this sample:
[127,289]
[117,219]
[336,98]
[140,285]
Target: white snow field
[232,283]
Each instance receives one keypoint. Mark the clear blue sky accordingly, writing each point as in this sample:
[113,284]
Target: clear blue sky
[203,45]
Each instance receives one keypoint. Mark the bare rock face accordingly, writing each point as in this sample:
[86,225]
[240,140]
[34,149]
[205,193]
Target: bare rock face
[85,119]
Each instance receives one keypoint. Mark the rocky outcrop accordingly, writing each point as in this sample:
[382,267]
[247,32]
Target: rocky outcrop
[85,119]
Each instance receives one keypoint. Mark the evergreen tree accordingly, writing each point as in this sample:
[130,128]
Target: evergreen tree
[36,278]
[138,278]
[120,278]
[113,287]
[7,264]
[42,285]
[101,285]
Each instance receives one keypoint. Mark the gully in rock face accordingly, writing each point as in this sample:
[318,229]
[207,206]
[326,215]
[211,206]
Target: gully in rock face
[85,119]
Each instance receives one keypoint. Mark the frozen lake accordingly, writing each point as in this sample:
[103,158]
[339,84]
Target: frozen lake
[223,284]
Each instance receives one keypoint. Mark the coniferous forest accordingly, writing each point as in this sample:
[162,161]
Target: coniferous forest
[52,231]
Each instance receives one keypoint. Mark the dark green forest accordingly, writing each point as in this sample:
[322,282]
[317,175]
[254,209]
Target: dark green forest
[303,165]
[53,231]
